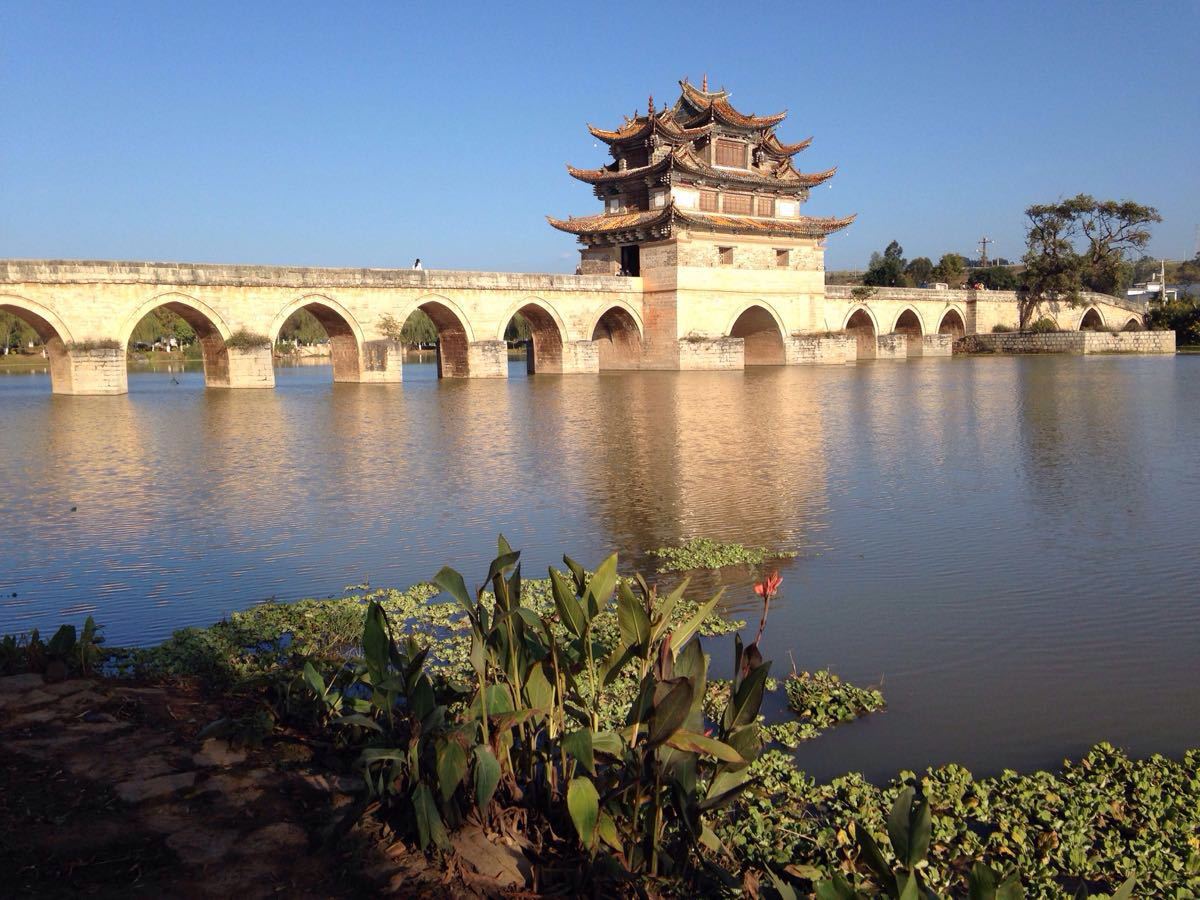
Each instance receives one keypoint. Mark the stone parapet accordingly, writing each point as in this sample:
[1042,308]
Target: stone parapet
[20,271]
[1081,342]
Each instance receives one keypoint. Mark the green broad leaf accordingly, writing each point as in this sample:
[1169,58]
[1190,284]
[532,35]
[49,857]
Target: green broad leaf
[569,610]
[725,781]
[578,574]
[421,701]
[1010,888]
[608,743]
[451,767]
[450,582]
[606,828]
[579,745]
[981,882]
[615,662]
[837,888]
[538,688]
[478,654]
[747,699]
[378,754]
[909,828]
[430,828]
[666,607]
[503,548]
[910,889]
[709,839]
[692,742]
[501,564]
[583,803]
[874,858]
[487,775]
[782,888]
[375,640]
[600,587]
[725,797]
[314,679]
[1125,891]
[669,712]
[684,632]
[632,619]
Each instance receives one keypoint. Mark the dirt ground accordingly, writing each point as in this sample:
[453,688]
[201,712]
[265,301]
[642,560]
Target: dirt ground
[106,789]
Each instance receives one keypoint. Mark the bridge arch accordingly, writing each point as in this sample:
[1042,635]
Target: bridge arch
[547,333]
[1133,323]
[617,333]
[345,333]
[454,331]
[910,324]
[1091,320]
[952,323]
[211,331]
[50,331]
[761,329]
[860,323]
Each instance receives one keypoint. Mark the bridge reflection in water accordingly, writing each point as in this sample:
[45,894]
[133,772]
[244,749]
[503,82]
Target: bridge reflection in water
[983,534]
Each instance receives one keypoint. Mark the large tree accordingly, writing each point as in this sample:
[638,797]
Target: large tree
[1081,243]
[951,268]
[887,270]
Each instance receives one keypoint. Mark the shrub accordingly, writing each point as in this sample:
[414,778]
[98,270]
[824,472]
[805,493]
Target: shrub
[999,328]
[1044,325]
[243,339]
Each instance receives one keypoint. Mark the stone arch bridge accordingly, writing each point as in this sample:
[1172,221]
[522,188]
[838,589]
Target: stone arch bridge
[85,313]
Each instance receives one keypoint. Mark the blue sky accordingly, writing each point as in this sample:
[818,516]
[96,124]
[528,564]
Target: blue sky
[367,134]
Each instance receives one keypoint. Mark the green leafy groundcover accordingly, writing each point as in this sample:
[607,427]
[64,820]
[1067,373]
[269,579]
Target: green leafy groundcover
[1093,823]
[703,553]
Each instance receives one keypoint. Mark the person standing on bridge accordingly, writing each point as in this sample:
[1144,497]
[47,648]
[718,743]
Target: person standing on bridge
[417,264]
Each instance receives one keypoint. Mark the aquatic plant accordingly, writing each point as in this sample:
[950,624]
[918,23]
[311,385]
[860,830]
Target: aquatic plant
[704,553]
[824,700]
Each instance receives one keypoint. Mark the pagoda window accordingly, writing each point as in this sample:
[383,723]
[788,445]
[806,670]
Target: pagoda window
[766,206]
[783,259]
[738,204]
[725,256]
[612,205]
[708,201]
[636,158]
[731,153]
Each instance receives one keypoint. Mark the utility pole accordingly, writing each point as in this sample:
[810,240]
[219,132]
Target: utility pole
[983,260]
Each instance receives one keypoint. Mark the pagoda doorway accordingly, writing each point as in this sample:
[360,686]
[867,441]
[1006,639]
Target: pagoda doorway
[631,261]
[761,335]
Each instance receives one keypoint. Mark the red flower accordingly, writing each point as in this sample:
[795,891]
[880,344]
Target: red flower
[768,586]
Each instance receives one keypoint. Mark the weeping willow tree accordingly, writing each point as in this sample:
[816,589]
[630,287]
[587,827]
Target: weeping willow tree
[162,324]
[303,328]
[517,329]
[16,334]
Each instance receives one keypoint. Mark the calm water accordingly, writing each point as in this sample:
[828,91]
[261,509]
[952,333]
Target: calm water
[1009,544]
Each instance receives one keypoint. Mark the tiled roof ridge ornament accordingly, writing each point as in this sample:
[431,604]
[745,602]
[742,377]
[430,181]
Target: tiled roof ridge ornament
[704,87]
[650,107]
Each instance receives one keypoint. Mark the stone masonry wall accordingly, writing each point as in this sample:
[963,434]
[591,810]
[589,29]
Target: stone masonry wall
[1075,342]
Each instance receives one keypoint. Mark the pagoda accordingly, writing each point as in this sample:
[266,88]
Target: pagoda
[700,185]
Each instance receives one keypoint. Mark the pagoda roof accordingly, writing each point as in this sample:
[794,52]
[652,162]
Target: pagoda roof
[805,226]
[612,223]
[661,123]
[715,104]
[684,160]
[609,223]
[776,147]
